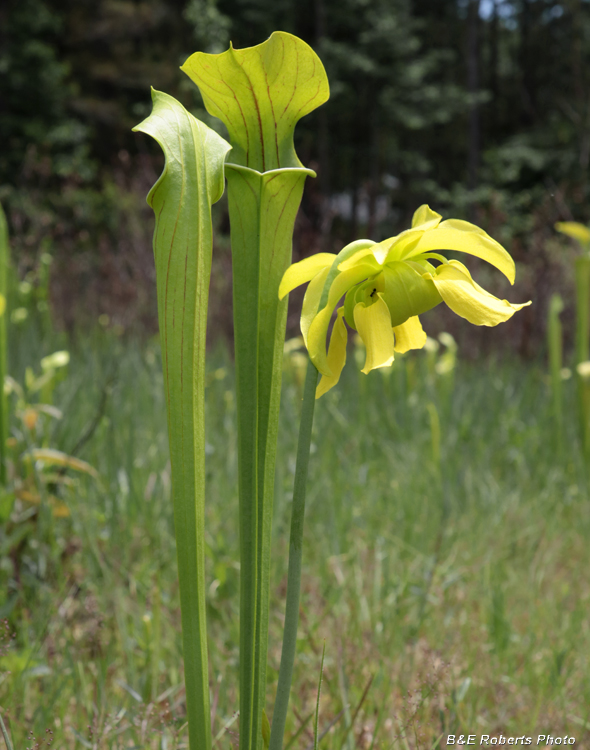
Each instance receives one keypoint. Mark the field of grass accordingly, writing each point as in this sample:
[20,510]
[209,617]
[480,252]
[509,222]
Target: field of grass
[445,563]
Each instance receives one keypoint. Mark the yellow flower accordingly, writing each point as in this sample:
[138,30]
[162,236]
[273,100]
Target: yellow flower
[386,286]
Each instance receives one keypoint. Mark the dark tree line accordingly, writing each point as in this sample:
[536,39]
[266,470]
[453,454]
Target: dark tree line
[479,107]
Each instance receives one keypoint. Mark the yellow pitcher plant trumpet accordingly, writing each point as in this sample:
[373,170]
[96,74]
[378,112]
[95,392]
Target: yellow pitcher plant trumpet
[387,285]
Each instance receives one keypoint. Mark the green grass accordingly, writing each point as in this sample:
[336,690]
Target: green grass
[452,597]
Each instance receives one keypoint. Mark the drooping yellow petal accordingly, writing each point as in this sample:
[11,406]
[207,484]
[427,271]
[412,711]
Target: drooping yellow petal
[357,250]
[410,335]
[316,335]
[304,271]
[336,355]
[311,301]
[373,324]
[464,237]
[365,254]
[425,218]
[574,229]
[403,244]
[393,248]
[463,268]
[468,300]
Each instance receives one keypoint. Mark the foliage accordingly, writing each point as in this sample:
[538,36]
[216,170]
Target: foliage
[39,488]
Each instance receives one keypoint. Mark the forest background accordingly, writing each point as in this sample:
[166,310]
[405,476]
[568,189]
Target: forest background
[478,107]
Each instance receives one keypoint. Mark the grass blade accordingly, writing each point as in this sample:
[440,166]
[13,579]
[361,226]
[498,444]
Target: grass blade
[325,731]
[298,733]
[356,711]
[5,734]
[317,704]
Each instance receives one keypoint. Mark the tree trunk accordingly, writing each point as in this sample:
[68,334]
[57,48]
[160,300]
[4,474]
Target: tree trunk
[374,182]
[323,137]
[494,74]
[527,65]
[472,87]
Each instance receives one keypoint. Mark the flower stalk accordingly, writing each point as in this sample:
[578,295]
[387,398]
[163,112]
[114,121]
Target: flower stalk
[555,347]
[295,561]
[582,267]
[310,391]
[581,234]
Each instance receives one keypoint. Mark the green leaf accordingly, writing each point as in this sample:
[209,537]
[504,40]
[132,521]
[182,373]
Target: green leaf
[265,730]
[191,182]
[260,93]
[263,208]
[6,505]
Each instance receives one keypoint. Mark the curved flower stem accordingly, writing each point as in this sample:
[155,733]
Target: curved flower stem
[295,555]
